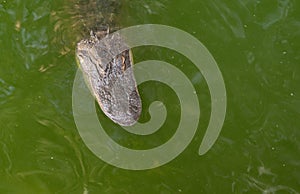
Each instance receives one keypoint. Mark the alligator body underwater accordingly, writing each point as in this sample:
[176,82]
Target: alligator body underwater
[109,78]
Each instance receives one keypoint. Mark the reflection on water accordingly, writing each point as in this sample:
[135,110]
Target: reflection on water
[256,44]
[6,91]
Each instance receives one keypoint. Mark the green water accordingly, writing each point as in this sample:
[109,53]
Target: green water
[257,47]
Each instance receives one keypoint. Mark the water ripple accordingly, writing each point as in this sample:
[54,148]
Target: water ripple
[6,90]
[28,41]
[74,20]
[263,187]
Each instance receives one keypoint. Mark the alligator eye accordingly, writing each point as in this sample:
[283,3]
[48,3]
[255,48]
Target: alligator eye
[123,63]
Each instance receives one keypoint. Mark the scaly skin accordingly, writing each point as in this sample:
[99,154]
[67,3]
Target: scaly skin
[106,63]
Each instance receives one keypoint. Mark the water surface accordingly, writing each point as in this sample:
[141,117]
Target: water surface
[257,47]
